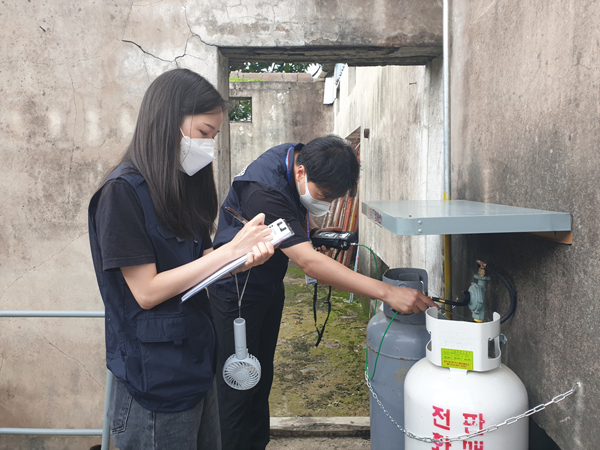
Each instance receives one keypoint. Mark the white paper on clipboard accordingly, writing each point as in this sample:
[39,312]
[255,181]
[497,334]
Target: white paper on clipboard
[280,231]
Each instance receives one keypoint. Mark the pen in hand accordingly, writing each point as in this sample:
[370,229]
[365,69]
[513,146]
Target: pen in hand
[236,214]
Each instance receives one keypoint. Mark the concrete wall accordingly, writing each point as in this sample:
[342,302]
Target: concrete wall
[402,159]
[286,110]
[270,23]
[71,85]
[525,132]
[370,32]
[71,79]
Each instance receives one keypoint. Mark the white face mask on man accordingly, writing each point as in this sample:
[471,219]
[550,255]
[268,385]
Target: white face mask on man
[195,154]
[316,207]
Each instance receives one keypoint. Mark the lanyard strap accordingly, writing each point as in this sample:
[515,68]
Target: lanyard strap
[287,165]
[321,332]
[243,290]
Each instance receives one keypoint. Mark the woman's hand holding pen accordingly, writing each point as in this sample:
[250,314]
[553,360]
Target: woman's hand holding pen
[255,240]
[259,255]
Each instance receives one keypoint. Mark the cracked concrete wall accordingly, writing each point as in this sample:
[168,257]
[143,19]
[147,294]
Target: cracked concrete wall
[71,78]
[282,111]
[402,159]
[279,23]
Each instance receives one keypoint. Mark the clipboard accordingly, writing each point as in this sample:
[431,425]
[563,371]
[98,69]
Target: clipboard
[280,232]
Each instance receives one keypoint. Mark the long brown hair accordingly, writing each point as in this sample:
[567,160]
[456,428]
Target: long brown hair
[186,205]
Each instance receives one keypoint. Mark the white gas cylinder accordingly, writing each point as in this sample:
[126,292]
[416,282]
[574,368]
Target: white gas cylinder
[461,387]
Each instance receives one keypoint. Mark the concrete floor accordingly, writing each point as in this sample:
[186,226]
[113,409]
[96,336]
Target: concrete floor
[319,433]
[319,443]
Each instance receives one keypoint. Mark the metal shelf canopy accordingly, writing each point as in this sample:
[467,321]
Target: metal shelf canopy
[425,217]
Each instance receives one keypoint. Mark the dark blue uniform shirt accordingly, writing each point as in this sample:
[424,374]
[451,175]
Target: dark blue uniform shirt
[264,186]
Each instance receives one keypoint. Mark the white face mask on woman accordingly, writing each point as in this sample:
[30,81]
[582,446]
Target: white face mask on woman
[195,154]
[316,207]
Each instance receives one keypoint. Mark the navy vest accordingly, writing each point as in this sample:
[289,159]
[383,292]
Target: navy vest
[164,355]
[270,170]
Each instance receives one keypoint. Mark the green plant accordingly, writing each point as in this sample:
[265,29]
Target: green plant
[241,110]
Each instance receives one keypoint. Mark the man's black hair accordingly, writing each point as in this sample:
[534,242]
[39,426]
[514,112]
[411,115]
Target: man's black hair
[331,164]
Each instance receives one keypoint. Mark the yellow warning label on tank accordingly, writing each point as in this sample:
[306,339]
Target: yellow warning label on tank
[457,359]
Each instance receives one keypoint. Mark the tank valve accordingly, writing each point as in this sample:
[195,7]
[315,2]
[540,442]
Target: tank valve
[477,293]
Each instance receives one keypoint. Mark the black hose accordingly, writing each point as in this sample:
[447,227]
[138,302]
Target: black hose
[512,292]
[464,302]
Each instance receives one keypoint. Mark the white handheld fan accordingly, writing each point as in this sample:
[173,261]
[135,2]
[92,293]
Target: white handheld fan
[241,370]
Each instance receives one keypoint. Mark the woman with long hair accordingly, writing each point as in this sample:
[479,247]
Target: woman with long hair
[150,228]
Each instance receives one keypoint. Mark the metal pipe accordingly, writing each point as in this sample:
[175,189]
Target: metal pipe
[81,314]
[106,422]
[447,158]
[51,432]
[105,431]
[446,87]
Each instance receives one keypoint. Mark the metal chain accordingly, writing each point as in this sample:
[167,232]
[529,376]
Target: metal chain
[463,437]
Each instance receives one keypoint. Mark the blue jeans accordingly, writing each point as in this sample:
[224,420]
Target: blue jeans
[133,427]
